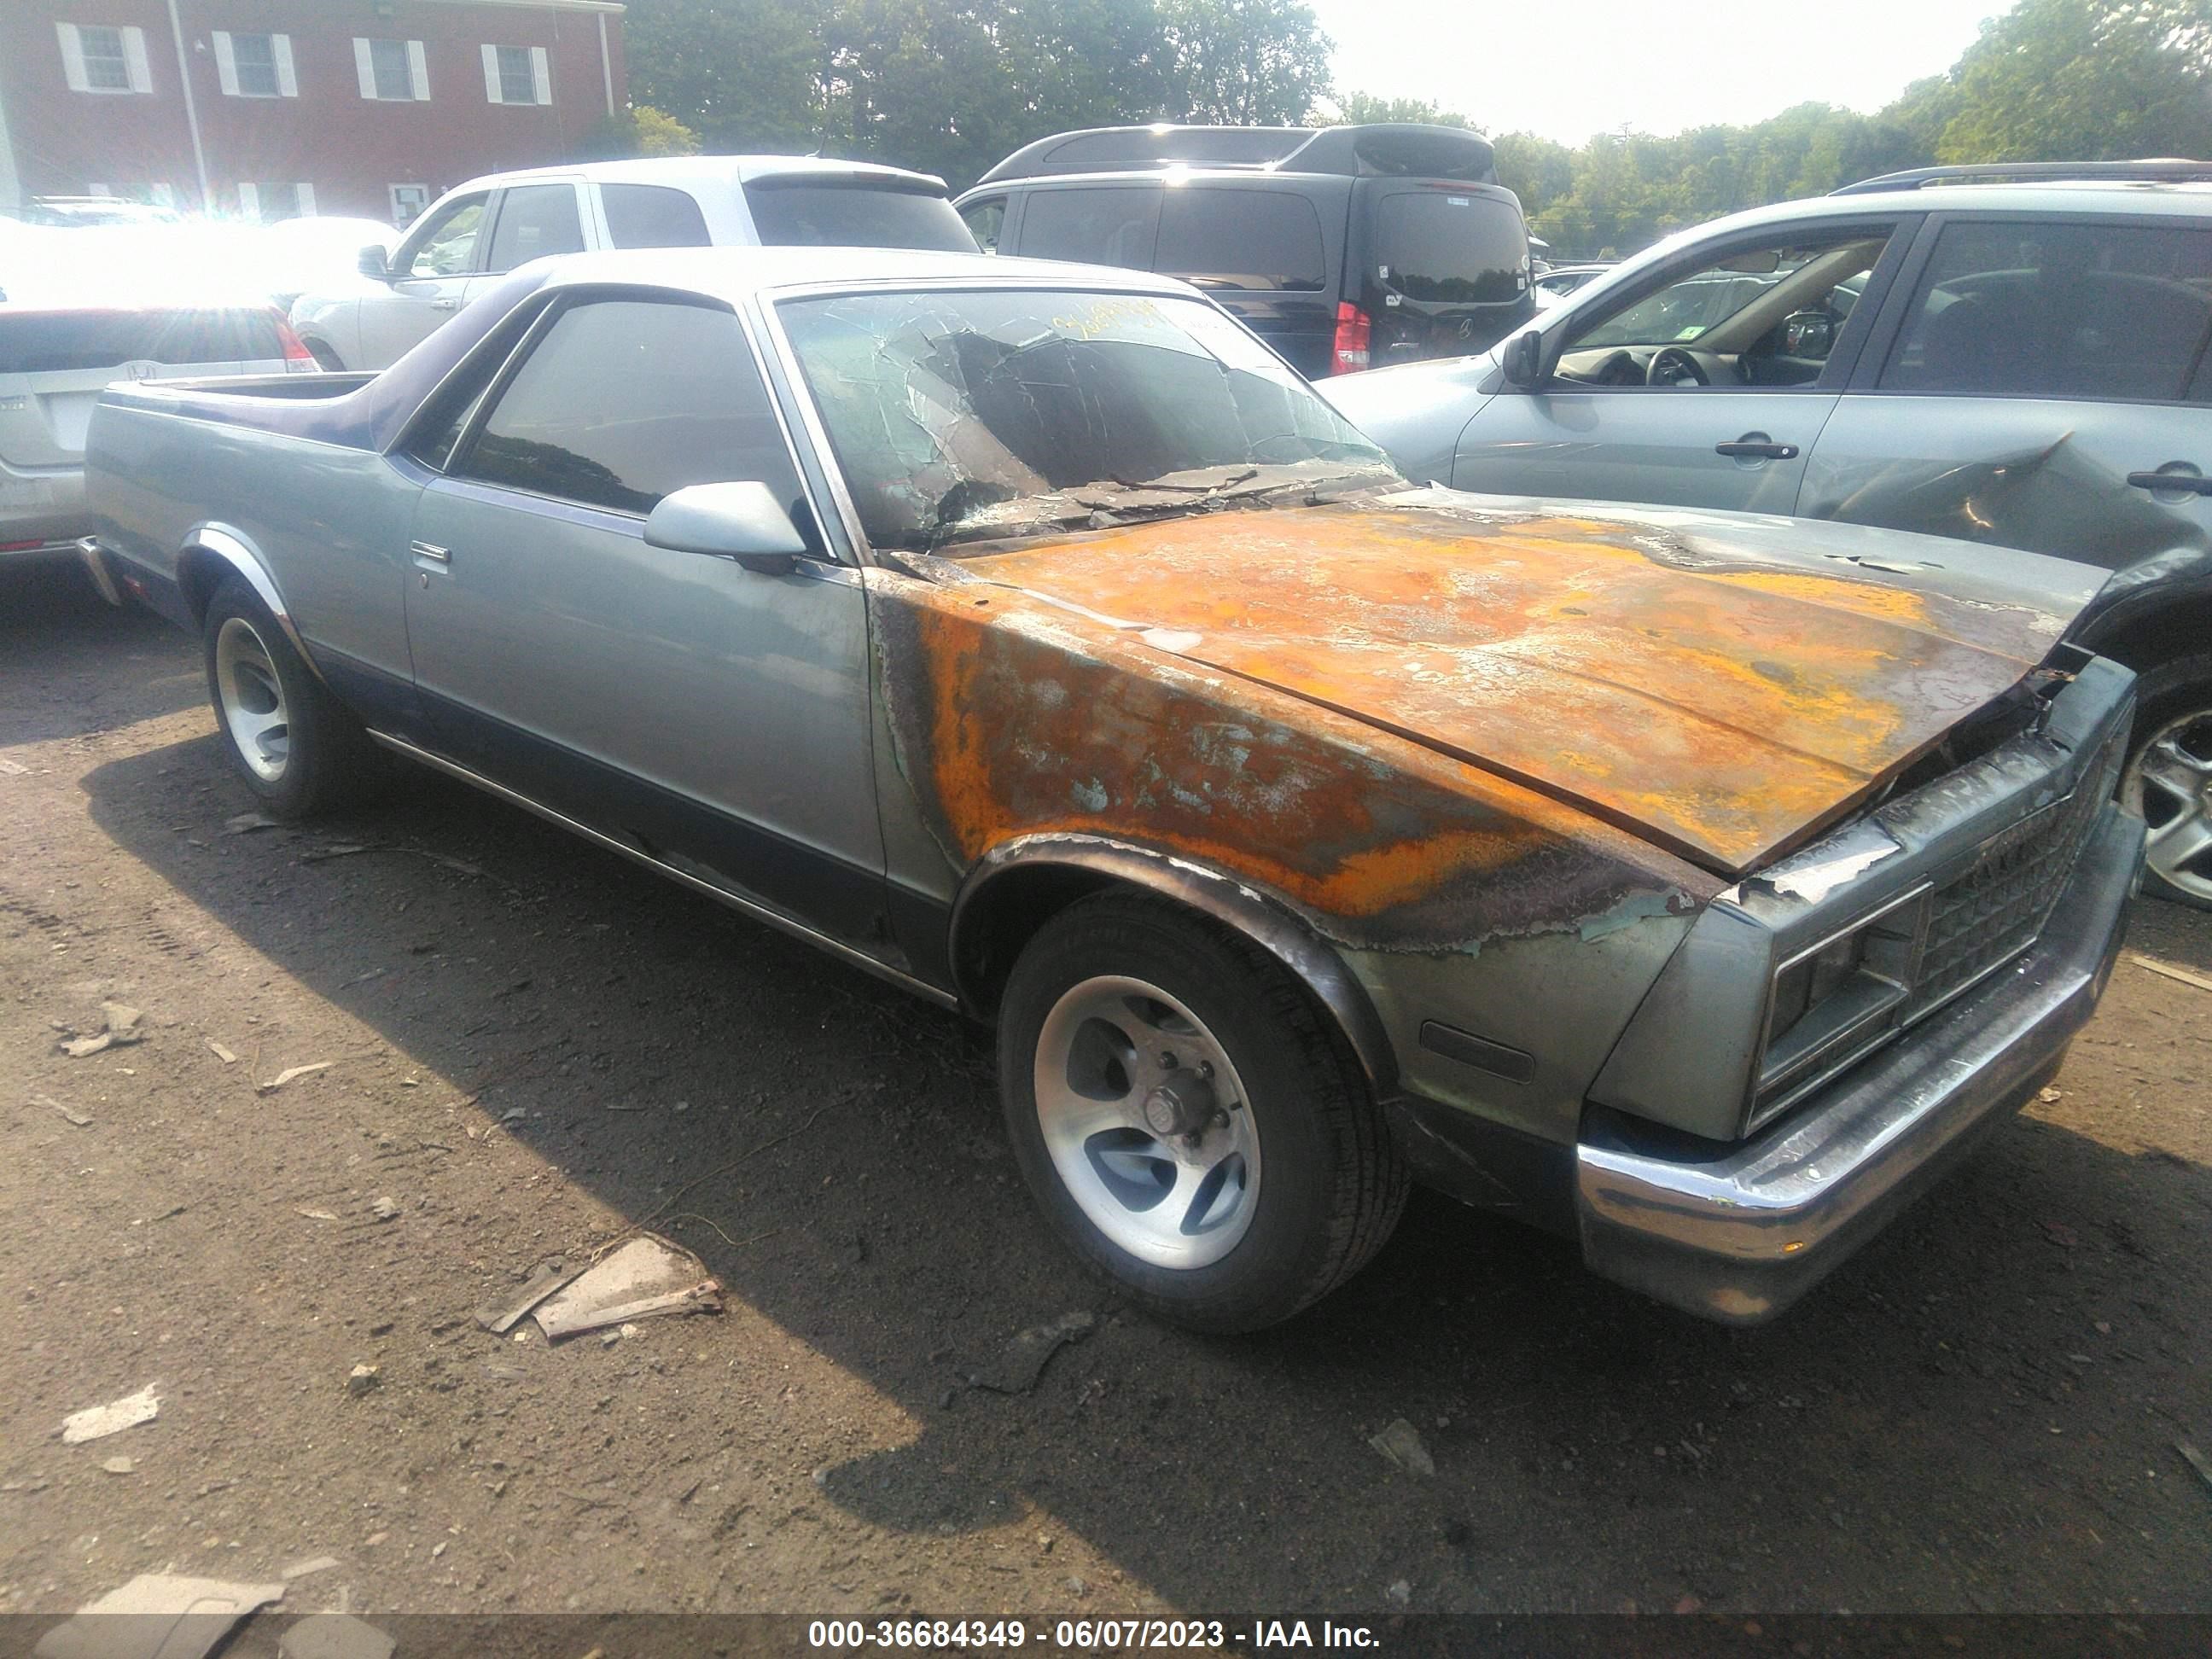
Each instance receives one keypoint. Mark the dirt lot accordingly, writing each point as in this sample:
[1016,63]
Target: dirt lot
[534,1047]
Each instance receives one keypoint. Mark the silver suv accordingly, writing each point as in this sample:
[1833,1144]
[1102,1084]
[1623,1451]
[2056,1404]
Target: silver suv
[2014,355]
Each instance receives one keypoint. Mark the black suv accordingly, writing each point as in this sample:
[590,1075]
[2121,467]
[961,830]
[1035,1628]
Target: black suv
[1345,248]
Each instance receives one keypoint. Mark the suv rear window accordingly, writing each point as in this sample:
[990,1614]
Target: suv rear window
[1094,224]
[831,213]
[1240,239]
[652,215]
[1448,247]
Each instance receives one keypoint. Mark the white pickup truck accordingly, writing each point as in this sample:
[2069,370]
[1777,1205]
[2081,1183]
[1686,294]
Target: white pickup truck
[479,231]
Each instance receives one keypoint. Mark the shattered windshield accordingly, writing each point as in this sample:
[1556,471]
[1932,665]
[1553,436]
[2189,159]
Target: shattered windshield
[961,416]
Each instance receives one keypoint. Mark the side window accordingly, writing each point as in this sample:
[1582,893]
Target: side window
[1240,239]
[445,244]
[535,221]
[2008,308]
[1768,300]
[1111,225]
[652,215]
[984,221]
[437,427]
[621,401]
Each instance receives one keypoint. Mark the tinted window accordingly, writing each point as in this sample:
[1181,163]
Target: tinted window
[446,243]
[652,215]
[984,221]
[1116,226]
[1445,248]
[2058,311]
[821,214]
[1240,239]
[535,221]
[623,400]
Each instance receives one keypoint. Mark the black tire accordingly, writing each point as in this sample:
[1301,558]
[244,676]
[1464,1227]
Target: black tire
[2171,693]
[1333,1181]
[328,759]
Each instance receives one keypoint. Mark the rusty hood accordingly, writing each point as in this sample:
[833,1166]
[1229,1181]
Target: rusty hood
[1724,684]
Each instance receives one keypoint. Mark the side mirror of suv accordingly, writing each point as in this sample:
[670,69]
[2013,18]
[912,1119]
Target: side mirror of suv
[370,262]
[1527,364]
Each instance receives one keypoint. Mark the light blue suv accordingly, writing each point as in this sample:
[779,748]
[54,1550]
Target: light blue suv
[2014,355]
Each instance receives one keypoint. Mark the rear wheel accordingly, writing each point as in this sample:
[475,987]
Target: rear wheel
[1191,1124]
[2168,778]
[297,746]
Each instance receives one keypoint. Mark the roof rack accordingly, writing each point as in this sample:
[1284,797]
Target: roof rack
[2164,170]
[1403,149]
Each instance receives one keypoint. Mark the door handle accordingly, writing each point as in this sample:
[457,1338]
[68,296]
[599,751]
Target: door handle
[445,305]
[2193,484]
[432,551]
[1761,449]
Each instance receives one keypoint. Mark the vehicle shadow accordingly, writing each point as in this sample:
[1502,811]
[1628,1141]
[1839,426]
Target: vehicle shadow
[839,1165]
[52,623]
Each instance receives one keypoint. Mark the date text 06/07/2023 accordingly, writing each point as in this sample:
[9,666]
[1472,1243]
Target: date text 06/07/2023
[1089,1635]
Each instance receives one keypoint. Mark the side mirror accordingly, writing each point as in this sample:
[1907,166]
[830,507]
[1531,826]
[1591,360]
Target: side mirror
[370,262]
[740,521]
[1527,364]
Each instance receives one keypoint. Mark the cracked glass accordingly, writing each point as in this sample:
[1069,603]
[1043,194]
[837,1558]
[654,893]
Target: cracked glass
[970,415]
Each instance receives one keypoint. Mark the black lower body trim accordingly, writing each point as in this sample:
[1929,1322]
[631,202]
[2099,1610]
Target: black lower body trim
[1486,1165]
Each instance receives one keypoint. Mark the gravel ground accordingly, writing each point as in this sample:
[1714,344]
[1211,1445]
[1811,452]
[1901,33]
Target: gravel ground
[533,1048]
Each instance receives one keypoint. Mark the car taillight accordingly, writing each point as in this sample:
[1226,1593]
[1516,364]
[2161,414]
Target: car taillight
[1353,329]
[298,360]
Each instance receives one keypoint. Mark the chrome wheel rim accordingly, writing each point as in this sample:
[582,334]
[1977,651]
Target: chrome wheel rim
[252,699]
[2169,783]
[1146,1122]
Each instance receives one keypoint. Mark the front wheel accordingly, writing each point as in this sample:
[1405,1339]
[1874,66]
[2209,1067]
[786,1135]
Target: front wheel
[2168,778]
[1190,1122]
[297,747]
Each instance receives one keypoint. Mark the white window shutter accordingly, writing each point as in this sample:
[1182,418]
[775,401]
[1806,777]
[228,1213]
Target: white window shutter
[72,58]
[418,71]
[306,198]
[491,75]
[134,56]
[226,63]
[249,200]
[541,74]
[287,82]
[365,67]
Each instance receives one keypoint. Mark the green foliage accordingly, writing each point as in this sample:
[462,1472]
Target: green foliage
[1364,107]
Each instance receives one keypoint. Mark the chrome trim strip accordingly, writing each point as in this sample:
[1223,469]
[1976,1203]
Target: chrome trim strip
[430,550]
[234,551]
[96,566]
[759,912]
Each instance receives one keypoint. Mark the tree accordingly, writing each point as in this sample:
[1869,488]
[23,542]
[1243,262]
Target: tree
[1364,106]
[1244,62]
[741,74]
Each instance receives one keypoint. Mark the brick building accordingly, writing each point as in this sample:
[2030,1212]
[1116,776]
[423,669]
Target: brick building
[270,108]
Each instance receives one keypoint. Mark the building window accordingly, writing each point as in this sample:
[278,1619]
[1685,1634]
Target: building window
[255,65]
[271,201]
[517,75]
[392,70]
[97,58]
[408,202]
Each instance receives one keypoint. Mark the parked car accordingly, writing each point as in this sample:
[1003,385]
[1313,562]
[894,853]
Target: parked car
[470,237]
[75,313]
[292,257]
[1341,248]
[74,212]
[1031,636]
[1555,283]
[2011,356]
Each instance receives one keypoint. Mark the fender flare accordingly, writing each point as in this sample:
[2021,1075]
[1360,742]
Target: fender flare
[231,549]
[1260,918]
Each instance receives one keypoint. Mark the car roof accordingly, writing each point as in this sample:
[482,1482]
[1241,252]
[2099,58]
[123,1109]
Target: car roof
[709,170]
[2058,199]
[733,274]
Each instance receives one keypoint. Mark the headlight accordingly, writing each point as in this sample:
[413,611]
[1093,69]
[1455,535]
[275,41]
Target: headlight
[1831,1002]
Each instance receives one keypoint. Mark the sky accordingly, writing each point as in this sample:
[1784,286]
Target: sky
[1567,68]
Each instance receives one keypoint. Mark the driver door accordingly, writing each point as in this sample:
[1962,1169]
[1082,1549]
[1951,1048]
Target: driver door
[1768,325]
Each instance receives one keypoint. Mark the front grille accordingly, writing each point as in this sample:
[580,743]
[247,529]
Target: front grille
[1982,918]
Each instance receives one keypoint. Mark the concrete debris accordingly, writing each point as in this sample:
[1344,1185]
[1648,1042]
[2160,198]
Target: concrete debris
[309,1568]
[646,1276]
[363,1378]
[1023,1360]
[98,1422]
[1400,1441]
[334,1635]
[501,1315]
[120,1466]
[168,1617]
[222,1053]
[289,1073]
[384,1210]
[69,1112]
[119,1023]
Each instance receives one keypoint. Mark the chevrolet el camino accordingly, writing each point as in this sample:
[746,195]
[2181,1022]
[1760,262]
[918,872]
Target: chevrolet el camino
[1696,885]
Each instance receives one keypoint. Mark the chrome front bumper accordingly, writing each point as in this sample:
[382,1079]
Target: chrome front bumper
[1738,1231]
